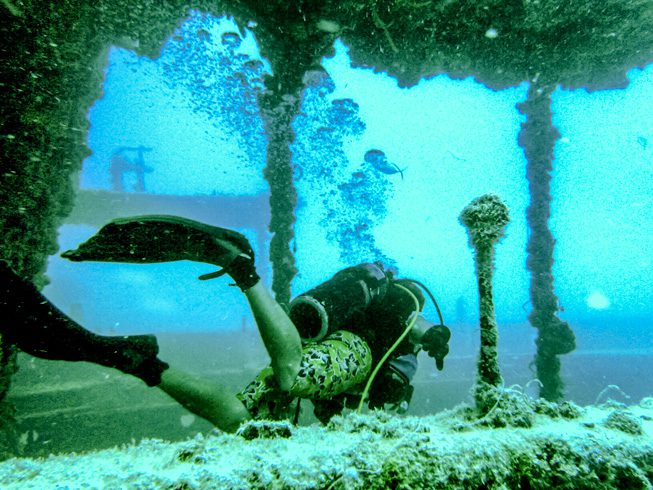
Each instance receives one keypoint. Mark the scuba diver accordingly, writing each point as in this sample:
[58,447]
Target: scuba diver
[350,340]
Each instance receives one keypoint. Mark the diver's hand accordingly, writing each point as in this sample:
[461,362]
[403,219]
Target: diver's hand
[435,342]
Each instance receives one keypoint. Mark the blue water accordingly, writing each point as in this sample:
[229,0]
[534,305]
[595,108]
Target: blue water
[453,139]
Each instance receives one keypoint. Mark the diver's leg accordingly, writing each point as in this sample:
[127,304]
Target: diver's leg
[279,334]
[130,240]
[210,401]
[328,369]
[29,321]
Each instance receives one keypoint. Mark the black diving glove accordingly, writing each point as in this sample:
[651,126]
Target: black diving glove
[435,342]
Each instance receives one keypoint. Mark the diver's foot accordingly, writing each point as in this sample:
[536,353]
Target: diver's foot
[243,272]
[137,355]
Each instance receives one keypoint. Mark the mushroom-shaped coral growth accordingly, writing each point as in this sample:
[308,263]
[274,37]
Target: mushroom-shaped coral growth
[485,219]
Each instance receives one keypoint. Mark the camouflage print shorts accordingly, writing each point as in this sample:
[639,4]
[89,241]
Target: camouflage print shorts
[328,368]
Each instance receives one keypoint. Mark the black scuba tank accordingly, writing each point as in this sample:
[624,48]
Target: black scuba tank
[331,305]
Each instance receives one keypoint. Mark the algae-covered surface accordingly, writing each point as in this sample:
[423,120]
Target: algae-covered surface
[610,446]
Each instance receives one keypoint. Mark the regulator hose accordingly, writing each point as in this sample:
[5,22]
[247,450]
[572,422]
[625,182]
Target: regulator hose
[391,349]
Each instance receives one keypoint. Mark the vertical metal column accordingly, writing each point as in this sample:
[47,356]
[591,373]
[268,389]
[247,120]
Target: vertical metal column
[278,114]
[555,337]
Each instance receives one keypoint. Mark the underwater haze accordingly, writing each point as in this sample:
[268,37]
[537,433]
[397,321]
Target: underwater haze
[381,173]
[441,143]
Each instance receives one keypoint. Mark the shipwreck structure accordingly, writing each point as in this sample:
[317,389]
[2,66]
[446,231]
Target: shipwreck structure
[53,53]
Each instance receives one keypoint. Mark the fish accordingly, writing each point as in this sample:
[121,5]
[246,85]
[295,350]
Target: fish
[457,156]
[328,26]
[379,161]
[643,142]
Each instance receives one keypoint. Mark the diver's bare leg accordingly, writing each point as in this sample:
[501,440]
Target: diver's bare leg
[219,405]
[208,400]
[279,334]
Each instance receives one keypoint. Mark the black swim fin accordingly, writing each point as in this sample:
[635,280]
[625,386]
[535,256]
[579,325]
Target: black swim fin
[36,326]
[161,238]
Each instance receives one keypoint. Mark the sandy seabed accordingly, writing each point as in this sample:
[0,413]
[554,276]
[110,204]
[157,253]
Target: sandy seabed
[590,447]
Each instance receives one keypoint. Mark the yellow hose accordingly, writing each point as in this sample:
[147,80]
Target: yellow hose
[391,350]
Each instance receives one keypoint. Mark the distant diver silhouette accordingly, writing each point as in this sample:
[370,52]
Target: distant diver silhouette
[120,165]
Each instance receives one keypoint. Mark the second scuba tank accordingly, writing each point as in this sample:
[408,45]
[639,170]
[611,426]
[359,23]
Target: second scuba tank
[331,305]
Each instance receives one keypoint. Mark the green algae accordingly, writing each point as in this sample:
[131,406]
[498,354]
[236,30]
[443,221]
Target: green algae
[372,451]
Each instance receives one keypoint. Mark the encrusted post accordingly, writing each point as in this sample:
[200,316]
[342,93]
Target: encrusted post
[291,54]
[485,219]
[555,337]
[278,114]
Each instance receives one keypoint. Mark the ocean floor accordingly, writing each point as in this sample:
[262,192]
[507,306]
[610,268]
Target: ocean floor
[556,446]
